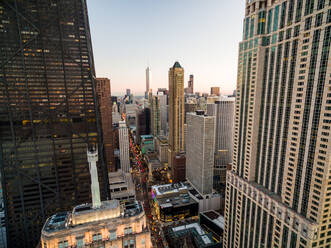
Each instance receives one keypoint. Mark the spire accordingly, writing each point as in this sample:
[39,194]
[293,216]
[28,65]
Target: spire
[92,157]
[176,65]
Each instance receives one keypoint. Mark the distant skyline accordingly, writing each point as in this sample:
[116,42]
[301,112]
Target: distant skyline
[203,35]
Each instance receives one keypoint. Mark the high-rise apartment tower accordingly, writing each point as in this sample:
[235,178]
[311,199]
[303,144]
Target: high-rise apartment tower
[48,113]
[278,192]
[176,111]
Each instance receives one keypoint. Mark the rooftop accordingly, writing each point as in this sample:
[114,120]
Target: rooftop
[179,233]
[176,201]
[169,188]
[176,65]
[84,214]
[215,217]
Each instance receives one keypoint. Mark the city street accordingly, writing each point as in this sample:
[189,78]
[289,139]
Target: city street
[143,194]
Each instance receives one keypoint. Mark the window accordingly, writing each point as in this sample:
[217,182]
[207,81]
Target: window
[112,235]
[131,243]
[319,19]
[308,23]
[80,241]
[128,230]
[63,244]
[125,244]
[97,237]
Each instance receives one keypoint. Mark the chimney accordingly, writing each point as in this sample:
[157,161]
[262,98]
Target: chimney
[92,158]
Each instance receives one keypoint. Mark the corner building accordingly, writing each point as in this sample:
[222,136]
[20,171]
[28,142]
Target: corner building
[278,192]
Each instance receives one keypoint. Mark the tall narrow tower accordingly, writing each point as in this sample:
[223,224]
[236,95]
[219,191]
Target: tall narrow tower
[278,192]
[148,78]
[92,158]
[176,111]
[191,84]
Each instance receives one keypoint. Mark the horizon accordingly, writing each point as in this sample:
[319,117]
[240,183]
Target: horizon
[129,36]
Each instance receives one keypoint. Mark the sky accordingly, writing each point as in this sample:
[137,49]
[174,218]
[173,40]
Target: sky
[129,35]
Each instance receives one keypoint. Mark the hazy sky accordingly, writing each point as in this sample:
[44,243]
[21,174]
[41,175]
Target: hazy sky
[129,35]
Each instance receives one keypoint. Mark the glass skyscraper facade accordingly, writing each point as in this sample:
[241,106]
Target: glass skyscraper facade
[278,192]
[48,113]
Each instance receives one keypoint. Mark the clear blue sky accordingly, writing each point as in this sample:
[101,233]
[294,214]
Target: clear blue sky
[129,35]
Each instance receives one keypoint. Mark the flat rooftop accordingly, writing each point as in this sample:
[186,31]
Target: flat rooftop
[64,220]
[215,217]
[169,188]
[204,238]
[176,201]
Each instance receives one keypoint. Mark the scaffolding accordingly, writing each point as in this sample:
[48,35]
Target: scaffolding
[48,113]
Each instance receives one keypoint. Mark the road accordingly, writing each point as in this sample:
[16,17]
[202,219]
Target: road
[140,177]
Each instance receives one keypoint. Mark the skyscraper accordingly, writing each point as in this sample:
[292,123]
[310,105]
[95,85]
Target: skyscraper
[155,116]
[200,151]
[143,121]
[48,113]
[176,111]
[163,112]
[278,193]
[215,91]
[104,98]
[148,71]
[223,110]
[124,146]
[189,89]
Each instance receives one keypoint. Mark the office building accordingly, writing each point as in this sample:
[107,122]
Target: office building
[3,232]
[49,113]
[200,151]
[143,118]
[176,112]
[130,114]
[172,202]
[163,99]
[189,89]
[100,224]
[223,110]
[148,78]
[277,193]
[178,167]
[121,186]
[162,90]
[147,143]
[116,118]
[190,107]
[190,235]
[215,91]
[104,98]
[115,107]
[124,146]
[155,116]
[161,147]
